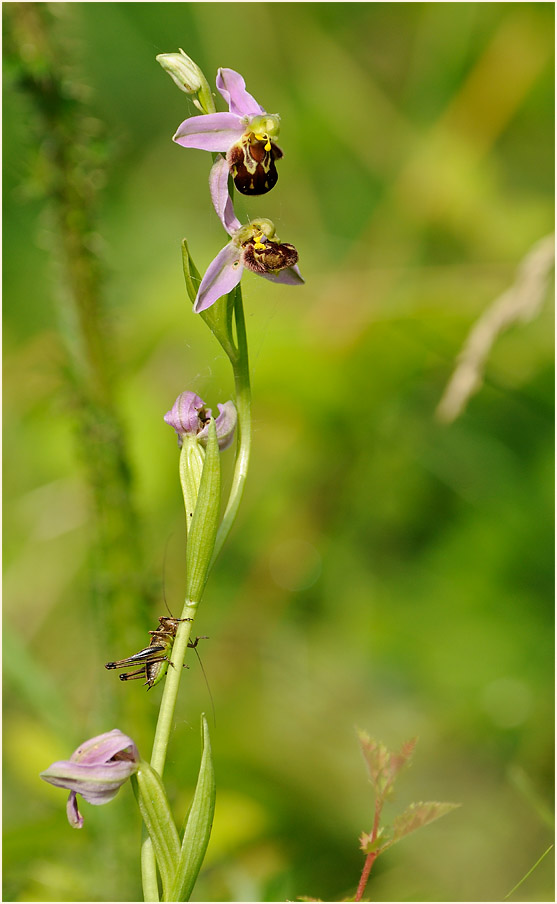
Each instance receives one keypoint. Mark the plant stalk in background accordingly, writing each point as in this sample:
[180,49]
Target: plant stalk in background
[68,138]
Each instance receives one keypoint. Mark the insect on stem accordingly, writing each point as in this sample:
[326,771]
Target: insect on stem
[155,658]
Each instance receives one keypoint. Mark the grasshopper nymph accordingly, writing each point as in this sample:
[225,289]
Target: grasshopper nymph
[155,658]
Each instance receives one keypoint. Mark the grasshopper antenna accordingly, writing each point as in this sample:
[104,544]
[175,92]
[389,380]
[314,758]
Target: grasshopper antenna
[164,575]
[194,647]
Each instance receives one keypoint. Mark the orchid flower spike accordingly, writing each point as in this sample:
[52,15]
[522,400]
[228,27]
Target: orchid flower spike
[96,770]
[245,134]
[189,416]
[255,246]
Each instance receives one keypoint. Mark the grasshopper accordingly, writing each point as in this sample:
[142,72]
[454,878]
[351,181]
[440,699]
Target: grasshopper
[155,658]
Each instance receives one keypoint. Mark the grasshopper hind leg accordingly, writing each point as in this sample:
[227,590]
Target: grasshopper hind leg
[130,676]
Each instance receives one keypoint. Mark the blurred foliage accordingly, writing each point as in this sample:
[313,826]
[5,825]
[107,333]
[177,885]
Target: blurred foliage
[386,571]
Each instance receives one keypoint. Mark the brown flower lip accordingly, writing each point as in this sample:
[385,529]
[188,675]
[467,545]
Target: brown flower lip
[268,256]
[252,165]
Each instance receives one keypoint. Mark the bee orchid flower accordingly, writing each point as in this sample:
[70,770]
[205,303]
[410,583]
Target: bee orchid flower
[245,134]
[255,246]
[96,770]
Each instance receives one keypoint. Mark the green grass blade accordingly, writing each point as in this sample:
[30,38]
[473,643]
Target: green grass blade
[529,873]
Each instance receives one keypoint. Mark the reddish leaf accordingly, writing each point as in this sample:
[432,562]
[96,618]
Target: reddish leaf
[417,815]
[369,844]
[402,759]
[366,839]
[383,765]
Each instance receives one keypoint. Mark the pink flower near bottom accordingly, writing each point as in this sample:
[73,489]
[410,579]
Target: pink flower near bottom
[96,770]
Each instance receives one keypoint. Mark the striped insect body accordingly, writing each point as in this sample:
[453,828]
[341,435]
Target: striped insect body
[153,660]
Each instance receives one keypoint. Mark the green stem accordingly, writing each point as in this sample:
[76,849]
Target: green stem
[171,685]
[162,735]
[240,366]
[205,96]
[529,873]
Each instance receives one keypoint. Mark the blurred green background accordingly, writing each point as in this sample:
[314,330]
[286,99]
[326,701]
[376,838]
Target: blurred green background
[386,571]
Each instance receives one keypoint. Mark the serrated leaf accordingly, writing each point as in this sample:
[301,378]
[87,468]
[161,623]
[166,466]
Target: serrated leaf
[369,844]
[365,840]
[402,759]
[382,764]
[198,826]
[376,756]
[418,815]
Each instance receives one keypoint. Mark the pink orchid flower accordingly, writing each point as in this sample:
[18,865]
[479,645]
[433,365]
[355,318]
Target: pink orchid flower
[96,770]
[254,246]
[189,416]
[245,134]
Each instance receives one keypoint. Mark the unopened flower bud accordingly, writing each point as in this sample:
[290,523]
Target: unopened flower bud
[182,70]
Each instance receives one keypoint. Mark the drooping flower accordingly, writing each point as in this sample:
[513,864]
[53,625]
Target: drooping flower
[254,246]
[96,770]
[189,416]
[245,134]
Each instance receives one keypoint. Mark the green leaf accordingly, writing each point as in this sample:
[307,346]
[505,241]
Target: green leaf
[191,273]
[205,521]
[217,317]
[155,810]
[191,468]
[198,826]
